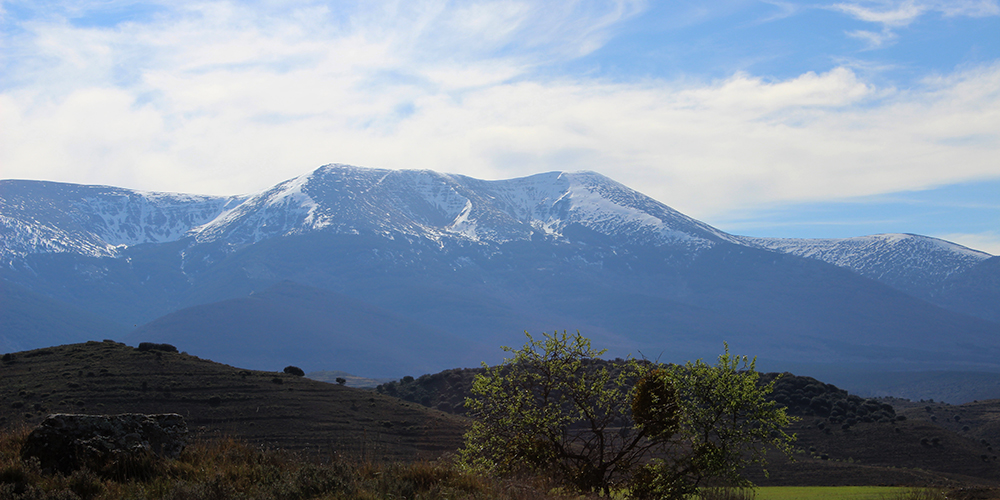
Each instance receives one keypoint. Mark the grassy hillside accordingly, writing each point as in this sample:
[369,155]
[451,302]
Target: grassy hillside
[271,408]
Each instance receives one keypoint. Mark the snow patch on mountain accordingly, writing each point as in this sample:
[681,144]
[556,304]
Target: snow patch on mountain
[135,217]
[463,225]
[613,209]
[23,237]
[96,221]
[907,261]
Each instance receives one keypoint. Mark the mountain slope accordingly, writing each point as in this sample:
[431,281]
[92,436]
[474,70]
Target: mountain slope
[912,263]
[29,320]
[98,221]
[481,261]
[925,267]
[975,291]
[290,324]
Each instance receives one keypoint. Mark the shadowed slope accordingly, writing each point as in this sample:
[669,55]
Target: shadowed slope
[308,327]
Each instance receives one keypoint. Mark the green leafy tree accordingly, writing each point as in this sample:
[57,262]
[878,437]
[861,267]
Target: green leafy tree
[726,423]
[551,409]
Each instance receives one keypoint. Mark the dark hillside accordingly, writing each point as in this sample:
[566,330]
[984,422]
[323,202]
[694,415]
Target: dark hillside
[883,453]
[843,439]
[271,408]
[977,420]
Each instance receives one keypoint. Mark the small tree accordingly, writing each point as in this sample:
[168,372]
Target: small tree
[294,370]
[550,409]
[726,424]
[553,409]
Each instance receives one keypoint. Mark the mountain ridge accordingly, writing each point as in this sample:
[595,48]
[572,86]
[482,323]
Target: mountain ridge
[483,260]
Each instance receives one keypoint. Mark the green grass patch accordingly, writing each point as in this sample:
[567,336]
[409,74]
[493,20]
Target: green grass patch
[844,493]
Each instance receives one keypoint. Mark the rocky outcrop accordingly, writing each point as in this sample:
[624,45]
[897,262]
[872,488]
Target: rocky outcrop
[66,442]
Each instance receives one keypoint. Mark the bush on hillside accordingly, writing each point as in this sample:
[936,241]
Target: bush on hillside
[294,370]
[150,346]
[810,397]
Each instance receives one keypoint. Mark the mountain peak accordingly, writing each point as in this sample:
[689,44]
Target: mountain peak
[437,207]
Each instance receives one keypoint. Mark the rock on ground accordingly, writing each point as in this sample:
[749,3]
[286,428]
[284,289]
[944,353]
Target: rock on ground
[67,442]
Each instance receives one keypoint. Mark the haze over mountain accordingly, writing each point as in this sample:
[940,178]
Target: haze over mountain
[454,264]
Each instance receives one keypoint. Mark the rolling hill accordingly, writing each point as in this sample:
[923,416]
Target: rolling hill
[264,408]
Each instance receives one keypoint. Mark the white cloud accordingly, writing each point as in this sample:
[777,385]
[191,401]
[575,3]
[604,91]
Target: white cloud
[892,14]
[872,39]
[219,99]
[897,13]
[988,242]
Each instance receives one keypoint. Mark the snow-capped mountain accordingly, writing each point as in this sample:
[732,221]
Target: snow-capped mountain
[98,221]
[913,263]
[434,206]
[486,260]
[46,217]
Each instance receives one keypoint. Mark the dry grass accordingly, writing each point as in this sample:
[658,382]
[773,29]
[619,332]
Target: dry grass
[223,469]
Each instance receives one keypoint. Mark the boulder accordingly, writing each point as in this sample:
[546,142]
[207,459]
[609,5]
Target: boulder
[66,442]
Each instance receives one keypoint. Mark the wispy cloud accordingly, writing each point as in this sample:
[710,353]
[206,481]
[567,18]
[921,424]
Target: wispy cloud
[872,39]
[887,13]
[894,14]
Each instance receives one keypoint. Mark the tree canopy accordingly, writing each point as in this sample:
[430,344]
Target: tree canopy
[724,424]
[551,408]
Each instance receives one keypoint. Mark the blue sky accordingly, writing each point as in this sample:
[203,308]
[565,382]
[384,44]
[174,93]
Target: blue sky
[765,118]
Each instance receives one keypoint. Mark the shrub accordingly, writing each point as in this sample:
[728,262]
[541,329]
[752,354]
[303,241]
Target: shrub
[228,469]
[294,370]
[149,346]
